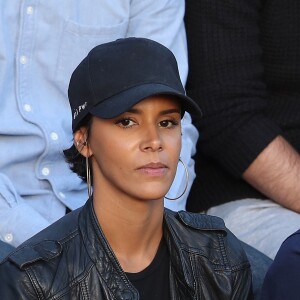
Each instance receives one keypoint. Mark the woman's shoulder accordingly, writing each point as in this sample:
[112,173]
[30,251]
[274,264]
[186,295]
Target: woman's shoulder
[48,243]
[207,233]
[196,220]
[43,259]
[202,241]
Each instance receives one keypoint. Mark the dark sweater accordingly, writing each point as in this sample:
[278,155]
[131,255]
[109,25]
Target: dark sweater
[244,59]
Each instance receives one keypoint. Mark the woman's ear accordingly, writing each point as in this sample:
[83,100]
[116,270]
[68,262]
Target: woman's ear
[81,143]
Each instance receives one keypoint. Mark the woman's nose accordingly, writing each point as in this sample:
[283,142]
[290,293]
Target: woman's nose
[151,140]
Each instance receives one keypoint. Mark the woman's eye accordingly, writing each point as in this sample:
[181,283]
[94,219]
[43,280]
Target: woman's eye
[168,123]
[125,123]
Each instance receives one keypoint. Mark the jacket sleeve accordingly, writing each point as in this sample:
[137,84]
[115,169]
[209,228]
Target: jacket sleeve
[226,78]
[15,284]
[242,285]
[240,268]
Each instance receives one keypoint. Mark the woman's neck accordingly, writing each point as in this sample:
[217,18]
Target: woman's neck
[133,229]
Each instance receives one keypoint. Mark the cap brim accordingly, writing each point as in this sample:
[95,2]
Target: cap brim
[122,102]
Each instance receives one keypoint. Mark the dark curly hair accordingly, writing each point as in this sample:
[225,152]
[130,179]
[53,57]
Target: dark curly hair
[74,158]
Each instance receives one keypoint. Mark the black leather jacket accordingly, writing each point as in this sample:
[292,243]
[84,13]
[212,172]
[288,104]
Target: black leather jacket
[71,259]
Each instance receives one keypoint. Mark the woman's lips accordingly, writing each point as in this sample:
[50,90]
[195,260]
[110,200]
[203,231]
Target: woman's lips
[153,169]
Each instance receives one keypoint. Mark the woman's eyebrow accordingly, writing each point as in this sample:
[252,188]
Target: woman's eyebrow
[170,111]
[163,112]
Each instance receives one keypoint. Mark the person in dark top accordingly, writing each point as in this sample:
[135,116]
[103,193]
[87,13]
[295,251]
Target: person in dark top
[127,102]
[282,278]
[244,71]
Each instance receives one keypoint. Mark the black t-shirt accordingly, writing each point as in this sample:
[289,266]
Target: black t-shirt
[153,282]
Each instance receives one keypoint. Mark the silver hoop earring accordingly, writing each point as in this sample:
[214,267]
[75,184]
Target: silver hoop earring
[88,176]
[186,183]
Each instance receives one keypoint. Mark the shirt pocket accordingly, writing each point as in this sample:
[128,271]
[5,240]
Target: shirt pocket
[76,42]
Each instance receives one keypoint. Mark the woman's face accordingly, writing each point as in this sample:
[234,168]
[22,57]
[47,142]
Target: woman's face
[136,154]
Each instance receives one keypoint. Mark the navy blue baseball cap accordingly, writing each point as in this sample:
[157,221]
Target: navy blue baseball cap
[115,76]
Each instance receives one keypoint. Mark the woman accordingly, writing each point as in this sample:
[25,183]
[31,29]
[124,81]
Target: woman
[127,101]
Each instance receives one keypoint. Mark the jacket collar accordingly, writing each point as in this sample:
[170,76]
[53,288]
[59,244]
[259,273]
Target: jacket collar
[102,255]
[179,241]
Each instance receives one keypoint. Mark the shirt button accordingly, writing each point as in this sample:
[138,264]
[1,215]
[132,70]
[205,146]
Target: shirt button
[54,136]
[62,195]
[27,107]
[29,10]
[45,171]
[23,59]
[8,238]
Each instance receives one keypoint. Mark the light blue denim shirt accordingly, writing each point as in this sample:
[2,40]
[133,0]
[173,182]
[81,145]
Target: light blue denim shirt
[41,42]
